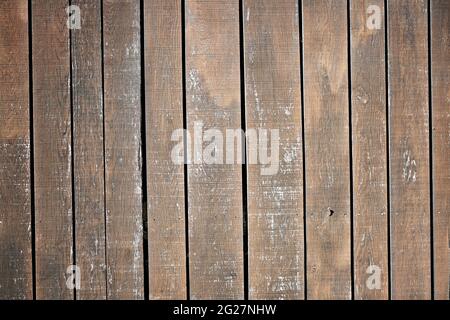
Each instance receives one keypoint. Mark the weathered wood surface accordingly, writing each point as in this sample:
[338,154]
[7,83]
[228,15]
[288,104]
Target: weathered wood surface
[369,129]
[275,200]
[328,212]
[165,179]
[409,150]
[123,151]
[214,190]
[88,116]
[87,104]
[15,175]
[440,72]
[52,148]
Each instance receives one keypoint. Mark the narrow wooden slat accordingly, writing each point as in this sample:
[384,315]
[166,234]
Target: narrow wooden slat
[52,138]
[165,179]
[275,200]
[369,150]
[215,190]
[52,148]
[122,88]
[15,190]
[327,149]
[409,149]
[440,60]
[88,151]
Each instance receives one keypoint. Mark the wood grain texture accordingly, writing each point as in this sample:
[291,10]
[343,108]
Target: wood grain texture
[327,149]
[52,148]
[440,72]
[215,190]
[15,190]
[165,179]
[370,235]
[123,154]
[366,124]
[275,201]
[87,95]
[409,150]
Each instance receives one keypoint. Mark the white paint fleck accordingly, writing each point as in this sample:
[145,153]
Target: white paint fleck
[255,93]
[290,155]
[193,80]
[409,167]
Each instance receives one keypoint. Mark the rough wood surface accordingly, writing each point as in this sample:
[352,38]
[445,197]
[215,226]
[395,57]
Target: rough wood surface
[440,72]
[15,190]
[327,149]
[409,150]
[369,127]
[215,190]
[275,201]
[165,179]
[123,154]
[87,95]
[52,148]
[356,159]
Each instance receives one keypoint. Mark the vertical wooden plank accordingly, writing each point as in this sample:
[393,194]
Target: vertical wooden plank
[52,148]
[440,72]
[87,98]
[215,190]
[122,87]
[370,237]
[275,201]
[165,179]
[327,149]
[15,195]
[409,150]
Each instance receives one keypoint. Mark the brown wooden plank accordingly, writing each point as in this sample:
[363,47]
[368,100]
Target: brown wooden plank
[215,190]
[15,190]
[122,87]
[52,148]
[440,72]
[327,149]
[409,150]
[87,98]
[275,200]
[370,237]
[165,179]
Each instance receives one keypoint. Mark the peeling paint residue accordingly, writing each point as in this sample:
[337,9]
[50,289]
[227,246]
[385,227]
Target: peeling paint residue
[409,170]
